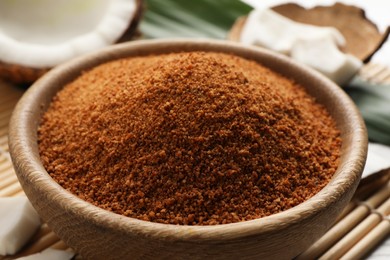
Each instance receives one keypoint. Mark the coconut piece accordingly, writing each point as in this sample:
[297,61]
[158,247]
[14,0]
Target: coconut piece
[322,54]
[38,36]
[362,36]
[315,46]
[267,28]
[377,159]
[376,172]
[18,222]
[50,254]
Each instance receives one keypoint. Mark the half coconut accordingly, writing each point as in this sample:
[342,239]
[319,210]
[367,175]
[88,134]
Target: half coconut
[362,36]
[37,35]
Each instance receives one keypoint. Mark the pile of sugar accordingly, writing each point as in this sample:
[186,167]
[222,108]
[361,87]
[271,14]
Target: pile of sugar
[188,138]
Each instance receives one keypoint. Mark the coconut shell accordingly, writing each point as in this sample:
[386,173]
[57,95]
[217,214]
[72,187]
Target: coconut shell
[372,184]
[362,36]
[132,31]
[19,74]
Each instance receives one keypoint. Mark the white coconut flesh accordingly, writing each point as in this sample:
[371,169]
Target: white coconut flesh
[315,46]
[44,33]
[18,222]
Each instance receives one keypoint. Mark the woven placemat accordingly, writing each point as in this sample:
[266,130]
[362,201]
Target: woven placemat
[9,184]
[45,238]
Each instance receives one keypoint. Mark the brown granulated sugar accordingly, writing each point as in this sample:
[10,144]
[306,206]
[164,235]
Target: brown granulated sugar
[188,138]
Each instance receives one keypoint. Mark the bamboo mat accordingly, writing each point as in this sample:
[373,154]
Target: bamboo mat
[363,223]
[9,185]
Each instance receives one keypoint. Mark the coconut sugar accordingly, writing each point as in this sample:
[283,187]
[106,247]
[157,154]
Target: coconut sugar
[188,138]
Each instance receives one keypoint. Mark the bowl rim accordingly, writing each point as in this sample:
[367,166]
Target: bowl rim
[24,152]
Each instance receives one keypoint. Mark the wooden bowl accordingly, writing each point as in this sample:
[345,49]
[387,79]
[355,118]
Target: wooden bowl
[99,234]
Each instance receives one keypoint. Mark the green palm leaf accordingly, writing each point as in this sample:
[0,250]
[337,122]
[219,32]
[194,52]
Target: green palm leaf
[186,18]
[373,102]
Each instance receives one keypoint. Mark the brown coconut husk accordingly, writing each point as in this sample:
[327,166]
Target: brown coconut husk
[362,36]
[132,31]
[20,74]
